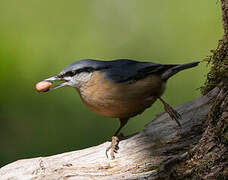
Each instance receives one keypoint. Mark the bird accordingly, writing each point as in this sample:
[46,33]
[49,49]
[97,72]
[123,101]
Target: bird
[121,88]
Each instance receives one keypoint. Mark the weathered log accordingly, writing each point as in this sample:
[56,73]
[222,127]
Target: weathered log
[146,155]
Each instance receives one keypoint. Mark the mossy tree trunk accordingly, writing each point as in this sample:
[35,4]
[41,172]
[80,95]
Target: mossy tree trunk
[209,158]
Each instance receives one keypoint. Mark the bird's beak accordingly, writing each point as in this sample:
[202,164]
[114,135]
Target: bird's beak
[57,79]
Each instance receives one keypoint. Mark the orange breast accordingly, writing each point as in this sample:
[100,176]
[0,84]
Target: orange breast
[120,100]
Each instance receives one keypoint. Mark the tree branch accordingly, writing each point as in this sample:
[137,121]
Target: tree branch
[147,154]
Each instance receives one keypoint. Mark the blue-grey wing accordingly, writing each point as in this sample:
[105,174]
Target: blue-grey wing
[129,70]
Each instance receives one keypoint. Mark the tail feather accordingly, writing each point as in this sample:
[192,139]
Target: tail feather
[170,72]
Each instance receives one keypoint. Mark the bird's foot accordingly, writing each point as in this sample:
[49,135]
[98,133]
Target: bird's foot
[113,148]
[172,113]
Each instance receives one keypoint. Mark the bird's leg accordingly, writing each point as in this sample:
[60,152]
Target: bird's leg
[115,140]
[172,113]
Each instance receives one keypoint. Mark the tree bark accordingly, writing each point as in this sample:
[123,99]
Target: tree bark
[147,154]
[161,150]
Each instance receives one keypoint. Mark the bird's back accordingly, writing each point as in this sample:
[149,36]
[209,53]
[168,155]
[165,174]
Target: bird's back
[123,70]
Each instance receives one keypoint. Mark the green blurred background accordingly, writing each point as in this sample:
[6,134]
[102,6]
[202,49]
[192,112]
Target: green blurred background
[39,38]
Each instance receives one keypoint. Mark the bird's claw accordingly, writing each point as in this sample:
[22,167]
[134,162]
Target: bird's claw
[113,148]
[172,112]
[176,117]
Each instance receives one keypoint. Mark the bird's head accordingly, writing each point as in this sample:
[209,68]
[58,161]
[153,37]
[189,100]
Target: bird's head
[76,74]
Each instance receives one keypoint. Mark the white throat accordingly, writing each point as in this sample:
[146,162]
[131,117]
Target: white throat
[80,79]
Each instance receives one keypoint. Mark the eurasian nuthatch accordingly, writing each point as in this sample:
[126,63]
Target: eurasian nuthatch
[119,88]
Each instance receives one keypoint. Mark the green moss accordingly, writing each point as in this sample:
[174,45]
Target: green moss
[207,164]
[219,67]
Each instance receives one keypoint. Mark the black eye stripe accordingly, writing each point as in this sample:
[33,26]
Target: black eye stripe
[69,73]
[74,72]
[85,69]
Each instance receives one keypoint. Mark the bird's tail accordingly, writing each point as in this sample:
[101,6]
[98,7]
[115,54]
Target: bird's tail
[175,69]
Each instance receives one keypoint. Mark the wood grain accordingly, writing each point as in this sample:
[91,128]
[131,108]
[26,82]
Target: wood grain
[143,156]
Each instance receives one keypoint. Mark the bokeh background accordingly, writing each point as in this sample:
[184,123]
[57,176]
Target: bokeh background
[39,38]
